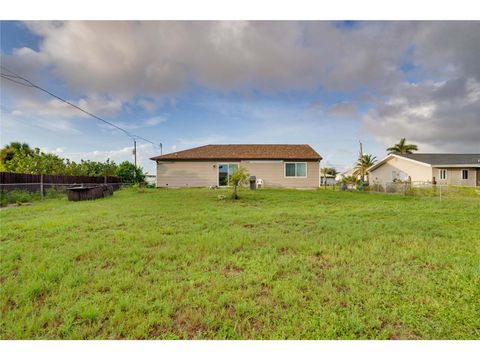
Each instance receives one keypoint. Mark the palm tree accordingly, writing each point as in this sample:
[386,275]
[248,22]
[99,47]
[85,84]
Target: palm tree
[402,148]
[364,162]
[9,151]
[239,177]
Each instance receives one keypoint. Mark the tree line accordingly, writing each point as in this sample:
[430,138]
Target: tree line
[19,157]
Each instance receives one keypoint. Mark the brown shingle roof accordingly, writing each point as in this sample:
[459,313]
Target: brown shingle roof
[244,152]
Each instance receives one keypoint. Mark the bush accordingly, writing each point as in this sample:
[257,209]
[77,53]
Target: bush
[17,197]
[23,196]
[377,187]
[140,187]
[53,193]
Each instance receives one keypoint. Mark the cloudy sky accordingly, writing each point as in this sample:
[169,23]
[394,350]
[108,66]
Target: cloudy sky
[184,84]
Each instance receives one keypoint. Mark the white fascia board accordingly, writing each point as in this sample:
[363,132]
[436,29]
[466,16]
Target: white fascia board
[457,166]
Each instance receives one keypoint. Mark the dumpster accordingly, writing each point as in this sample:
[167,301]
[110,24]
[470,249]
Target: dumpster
[80,193]
[253,183]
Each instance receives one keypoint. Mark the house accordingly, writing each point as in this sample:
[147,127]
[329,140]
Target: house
[441,169]
[289,166]
[329,178]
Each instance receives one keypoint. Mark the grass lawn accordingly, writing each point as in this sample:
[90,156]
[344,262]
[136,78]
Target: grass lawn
[276,264]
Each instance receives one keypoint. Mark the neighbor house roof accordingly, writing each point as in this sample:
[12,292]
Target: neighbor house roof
[445,159]
[436,160]
[244,152]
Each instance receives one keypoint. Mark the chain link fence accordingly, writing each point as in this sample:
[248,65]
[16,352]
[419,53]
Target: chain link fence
[423,189]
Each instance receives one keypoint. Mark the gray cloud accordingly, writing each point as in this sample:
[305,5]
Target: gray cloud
[437,116]
[343,109]
[145,62]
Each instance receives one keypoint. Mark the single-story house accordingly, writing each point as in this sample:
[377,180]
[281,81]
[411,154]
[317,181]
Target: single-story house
[289,166]
[441,169]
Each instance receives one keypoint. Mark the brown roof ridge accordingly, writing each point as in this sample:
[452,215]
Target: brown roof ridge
[244,151]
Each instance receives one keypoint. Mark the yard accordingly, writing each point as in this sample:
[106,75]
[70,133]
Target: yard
[276,264]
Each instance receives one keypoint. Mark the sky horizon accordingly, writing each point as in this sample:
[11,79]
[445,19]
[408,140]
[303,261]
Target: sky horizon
[187,84]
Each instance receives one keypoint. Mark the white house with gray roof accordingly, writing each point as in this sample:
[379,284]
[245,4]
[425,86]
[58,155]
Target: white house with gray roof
[442,169]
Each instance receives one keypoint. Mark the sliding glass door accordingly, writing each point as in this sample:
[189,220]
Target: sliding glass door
[225,171]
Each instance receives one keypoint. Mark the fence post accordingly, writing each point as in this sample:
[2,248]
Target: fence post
[440,192]
[41,186]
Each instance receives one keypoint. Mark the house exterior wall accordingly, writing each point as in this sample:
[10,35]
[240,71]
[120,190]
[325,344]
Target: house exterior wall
[186,173]
[273,174]
[454,176]
[205,173]
[417,171]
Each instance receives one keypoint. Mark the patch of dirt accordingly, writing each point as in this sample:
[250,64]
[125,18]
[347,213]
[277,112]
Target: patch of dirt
[156,330]
[80,257]
[104,289]
[52,323]
[286,250]
[398,331]
[107,264]
[264,296]
[232,270]
[430,266]
[342,288]
[40,298]
[10,305]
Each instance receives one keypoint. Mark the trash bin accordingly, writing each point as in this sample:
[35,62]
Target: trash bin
[253,183]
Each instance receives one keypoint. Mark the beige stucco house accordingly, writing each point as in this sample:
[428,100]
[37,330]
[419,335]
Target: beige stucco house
[289,166]
[442,169]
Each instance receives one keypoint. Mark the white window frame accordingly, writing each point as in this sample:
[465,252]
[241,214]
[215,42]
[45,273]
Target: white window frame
[228,173]
[295,177]
[440,174]
[462,174]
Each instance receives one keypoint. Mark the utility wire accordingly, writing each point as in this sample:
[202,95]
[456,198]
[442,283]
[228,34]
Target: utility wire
[28,83]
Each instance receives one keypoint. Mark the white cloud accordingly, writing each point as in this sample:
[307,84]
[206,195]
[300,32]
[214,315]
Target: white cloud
[156,120]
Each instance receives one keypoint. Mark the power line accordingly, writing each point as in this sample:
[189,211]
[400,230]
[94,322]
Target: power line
[28,83]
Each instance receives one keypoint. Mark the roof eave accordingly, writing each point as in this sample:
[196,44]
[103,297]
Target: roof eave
[159,158]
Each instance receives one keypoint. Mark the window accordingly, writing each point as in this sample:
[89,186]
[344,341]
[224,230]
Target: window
[443,174]
[225,171]
[464,174]
[298,169]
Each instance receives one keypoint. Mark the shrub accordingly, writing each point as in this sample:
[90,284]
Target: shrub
[53,193]
[16,197]
[377,187]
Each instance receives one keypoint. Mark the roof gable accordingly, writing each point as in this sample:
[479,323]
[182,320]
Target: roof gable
[244,152]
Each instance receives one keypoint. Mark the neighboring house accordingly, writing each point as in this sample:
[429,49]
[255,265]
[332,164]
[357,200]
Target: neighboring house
[330,179]
[290,166]
[150,179]
[442,169]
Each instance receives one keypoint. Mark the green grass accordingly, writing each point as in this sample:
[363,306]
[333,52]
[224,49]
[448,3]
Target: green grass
[277,264]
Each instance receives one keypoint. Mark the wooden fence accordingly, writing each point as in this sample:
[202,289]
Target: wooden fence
[38,183]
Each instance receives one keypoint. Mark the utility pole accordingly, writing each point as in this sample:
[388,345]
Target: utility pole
[135,151]
[360,159]
[161,149]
